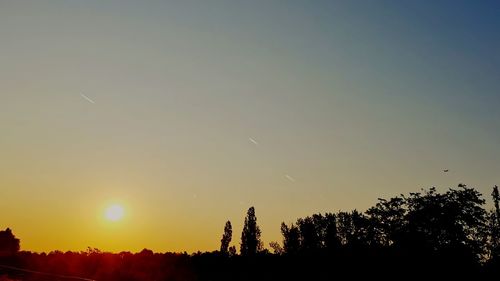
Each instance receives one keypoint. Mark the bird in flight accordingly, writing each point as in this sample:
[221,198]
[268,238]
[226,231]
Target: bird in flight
[446,170]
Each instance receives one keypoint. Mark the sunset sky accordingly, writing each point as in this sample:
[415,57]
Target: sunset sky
[186,113]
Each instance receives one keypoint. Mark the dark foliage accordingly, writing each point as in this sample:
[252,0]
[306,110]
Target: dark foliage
[9,244]
[226,238]
[250,236]
[427,235]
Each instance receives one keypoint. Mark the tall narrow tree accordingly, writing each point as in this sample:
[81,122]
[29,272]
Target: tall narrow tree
[496,198]
[495,224]
[226,238]
[250,236]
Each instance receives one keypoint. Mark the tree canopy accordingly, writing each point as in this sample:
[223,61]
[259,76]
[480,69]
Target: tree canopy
[9,244]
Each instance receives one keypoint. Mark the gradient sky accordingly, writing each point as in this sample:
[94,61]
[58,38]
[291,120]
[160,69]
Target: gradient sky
[353,100]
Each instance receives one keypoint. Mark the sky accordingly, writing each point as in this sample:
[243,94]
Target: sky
[186,113]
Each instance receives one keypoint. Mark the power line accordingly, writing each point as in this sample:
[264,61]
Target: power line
[45,273]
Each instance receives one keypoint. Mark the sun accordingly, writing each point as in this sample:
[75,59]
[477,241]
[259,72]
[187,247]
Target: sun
[114,212]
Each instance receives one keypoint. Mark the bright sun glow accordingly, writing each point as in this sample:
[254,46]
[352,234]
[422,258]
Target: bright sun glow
[114,213]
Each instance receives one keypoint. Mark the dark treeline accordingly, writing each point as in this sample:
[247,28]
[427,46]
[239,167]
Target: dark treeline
[427,234]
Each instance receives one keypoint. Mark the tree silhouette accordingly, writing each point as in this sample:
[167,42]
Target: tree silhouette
[331,240]
[310,238]
[496,198]
[454,219]
[9,244]
[250,236]
[226,238]
[291,238]
[429,234]
[494,225]
[388,220]
[277,249]
[353,229]
[232,251]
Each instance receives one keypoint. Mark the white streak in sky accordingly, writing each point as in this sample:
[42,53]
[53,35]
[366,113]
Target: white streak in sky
[290,178]
[253,141]
[87,98]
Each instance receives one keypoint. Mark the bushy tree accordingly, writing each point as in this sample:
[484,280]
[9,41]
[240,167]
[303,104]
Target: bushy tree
[330,238]
[291,238]
[277,249]
[9,244]
[232,251]
[354,229]
[388,221]
[446,220]
[310,233]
